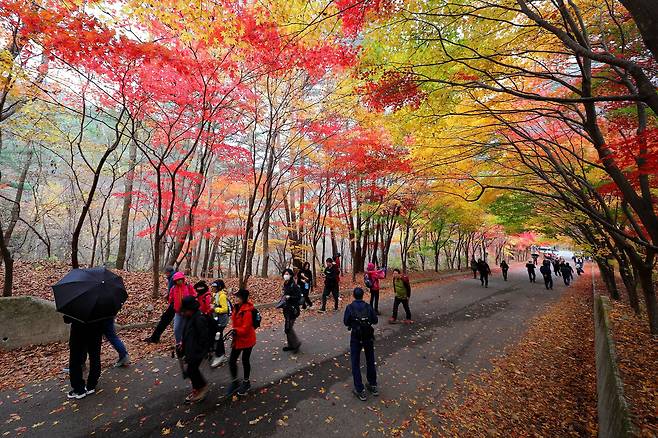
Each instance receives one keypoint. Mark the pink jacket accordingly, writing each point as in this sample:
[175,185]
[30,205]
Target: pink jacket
[177,293]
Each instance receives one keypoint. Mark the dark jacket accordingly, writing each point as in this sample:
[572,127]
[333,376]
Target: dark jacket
[567,270]
[331,275]
[309,280]
[483,268]
[196,338]
[504,266]
[294,294]
[530,267]
[355,308]
[546,270]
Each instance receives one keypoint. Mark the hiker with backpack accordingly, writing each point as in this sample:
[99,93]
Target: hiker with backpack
[485,271]
[402,289]
[371,280]
[245,319]
[359,318]
[290,301]
[204,297]
[221,313]
[530,267]
[504,267]
[195,343]
[331,283]
[547,273]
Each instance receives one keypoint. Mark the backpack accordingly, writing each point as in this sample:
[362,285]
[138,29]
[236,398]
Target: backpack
[366,280]
[363,329]
[256,318]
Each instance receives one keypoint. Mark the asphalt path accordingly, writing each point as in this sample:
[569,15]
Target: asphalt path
[459,327]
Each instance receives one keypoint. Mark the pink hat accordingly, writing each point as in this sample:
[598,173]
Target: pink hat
[371,266]
[179,276]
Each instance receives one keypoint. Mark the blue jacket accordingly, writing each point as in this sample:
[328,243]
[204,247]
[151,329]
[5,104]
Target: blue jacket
[355,308]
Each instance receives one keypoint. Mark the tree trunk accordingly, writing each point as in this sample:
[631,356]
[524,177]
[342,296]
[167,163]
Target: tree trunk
[16,207]
[645,15]
[648,288]
[608,276]
[125,210]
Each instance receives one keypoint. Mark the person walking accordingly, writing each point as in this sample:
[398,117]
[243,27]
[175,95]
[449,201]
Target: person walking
[474,268]
[359,318]
[244,339]
[292,296]
[110,333]
[221,313]
[371,279]
[545,271]
[195,343]
[567,272]
[402,289]
[556,266]
[85,339]
[485,271]
[530,266]
[179,290]
[168,315]
[331,285]
[504,267]
[305,283]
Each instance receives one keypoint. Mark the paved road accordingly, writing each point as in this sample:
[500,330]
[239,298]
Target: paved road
[459,327]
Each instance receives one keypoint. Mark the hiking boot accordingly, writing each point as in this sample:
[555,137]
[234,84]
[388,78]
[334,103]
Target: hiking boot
[197,395]
[233,388]
[244,388]
[218,361]
[373,389]
[360,395]
[90,391]
[287,348]
[190,396]
[122,362]
[76,395]
[392,321]
[151,340]
[408,321]
[322,310]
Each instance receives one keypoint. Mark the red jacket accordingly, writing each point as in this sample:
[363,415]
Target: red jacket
[245,333]
[375,275]
[205,303]
[177,293]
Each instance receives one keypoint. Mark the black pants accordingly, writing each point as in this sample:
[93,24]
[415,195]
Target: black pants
[374,299]
[475,273]
[333,290]
[220,349]
[532,276]
[548,281]
[233,362]
[307,301]
[164,322]
[484,279]
[194,373]
[85,340]
[505,274]
[557,271]
[405,304]
[289,329]
[566,279]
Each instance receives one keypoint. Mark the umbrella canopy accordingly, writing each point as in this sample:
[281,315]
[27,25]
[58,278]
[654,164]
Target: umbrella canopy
[89,295]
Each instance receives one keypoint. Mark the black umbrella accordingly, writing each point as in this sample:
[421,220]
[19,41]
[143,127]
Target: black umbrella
[89,295]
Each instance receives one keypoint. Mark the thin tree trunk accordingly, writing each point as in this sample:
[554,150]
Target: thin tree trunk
[125,210]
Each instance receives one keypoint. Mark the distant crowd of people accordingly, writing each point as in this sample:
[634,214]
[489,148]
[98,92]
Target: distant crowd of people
[550,265]
[202,313]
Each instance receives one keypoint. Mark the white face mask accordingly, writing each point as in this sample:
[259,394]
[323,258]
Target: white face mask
[286,277]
